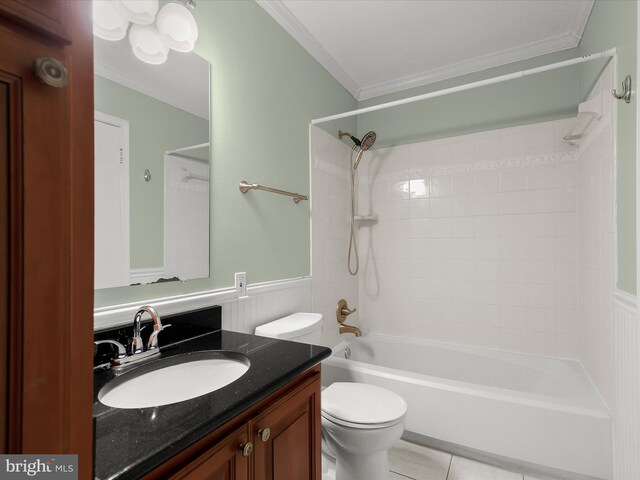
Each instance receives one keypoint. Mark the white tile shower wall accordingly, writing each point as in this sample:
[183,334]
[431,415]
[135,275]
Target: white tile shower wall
[330,224]
[596,239]
[245,314]
[476,240]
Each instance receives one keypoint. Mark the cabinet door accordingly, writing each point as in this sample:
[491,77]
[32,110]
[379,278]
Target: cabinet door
[292,449]
[224,462]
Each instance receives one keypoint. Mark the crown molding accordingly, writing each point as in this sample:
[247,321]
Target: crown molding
[200,109]
[581,18]
[281,14]
[497,59]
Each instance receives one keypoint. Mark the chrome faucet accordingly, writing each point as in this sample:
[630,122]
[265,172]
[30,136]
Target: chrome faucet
[136,345]
[137,348]
[342,312]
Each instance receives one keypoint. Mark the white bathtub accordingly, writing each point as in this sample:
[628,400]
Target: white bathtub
[532,409]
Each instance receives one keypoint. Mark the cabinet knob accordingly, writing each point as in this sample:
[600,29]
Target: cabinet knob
[264,434]
[247,449]
[50,72]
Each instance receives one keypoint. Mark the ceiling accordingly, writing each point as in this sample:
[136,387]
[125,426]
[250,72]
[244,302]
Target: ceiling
[375,47]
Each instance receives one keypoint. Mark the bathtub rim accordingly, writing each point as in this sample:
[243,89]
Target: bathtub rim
[467,388]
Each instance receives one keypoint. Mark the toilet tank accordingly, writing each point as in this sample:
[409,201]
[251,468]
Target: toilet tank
[299,327]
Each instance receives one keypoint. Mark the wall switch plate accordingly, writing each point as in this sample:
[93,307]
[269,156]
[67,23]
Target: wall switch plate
[241,284]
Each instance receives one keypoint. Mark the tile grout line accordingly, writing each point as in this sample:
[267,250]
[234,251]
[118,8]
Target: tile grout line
[449,469]
[402,475]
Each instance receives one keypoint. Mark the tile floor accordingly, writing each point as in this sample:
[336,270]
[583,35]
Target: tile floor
[408,461]
[415,462]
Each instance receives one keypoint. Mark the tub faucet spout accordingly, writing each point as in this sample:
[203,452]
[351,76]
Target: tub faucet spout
[350,329]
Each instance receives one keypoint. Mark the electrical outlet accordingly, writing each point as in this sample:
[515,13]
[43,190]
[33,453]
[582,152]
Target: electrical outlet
[241,284]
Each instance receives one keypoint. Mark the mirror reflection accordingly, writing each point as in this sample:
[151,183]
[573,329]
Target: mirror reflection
[151,167]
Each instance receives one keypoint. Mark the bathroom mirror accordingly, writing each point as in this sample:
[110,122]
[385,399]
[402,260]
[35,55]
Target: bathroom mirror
[151,167]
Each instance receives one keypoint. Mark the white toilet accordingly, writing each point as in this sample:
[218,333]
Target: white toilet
[360,422]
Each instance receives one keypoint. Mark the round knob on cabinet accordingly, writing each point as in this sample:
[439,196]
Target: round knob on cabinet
[247,449]
[264,434]
[50,72]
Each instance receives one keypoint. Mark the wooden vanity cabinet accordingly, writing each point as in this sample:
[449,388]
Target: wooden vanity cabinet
[224,462]
[283,436]
[242,449]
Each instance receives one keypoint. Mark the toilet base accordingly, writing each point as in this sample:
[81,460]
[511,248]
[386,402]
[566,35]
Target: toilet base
[356,467]
[328,467]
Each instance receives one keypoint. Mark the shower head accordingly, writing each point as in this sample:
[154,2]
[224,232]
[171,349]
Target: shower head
[368,140]
[366,143]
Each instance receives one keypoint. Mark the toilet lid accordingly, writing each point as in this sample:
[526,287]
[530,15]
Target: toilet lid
[361,403]
[293,326]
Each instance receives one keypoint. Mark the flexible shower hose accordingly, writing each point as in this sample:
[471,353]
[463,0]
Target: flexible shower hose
[353,241]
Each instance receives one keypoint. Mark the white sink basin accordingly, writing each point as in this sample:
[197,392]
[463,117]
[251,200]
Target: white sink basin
[174,379]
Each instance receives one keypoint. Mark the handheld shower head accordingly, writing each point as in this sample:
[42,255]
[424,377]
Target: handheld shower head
[368,140]
[366,143]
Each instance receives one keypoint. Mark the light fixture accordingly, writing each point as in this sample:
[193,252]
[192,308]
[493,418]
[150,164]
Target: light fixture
[142,12]
[177,27]
[147,44]
[107,23]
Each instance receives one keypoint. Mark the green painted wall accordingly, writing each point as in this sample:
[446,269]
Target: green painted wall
[537,98]
[265,90]
[154,128]
[613,24]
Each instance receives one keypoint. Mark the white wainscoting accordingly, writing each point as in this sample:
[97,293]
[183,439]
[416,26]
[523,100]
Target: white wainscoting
[626,411]
[264,302]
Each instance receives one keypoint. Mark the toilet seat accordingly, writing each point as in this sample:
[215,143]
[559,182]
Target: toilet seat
[360,426]
[362,406]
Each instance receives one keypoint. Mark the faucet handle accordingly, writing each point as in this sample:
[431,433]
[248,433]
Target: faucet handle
[153,338]
[122,352]
[343,310]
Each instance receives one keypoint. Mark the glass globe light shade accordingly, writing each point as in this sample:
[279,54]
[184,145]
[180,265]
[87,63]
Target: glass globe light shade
[107,23]
[177,27]
[147,44]
[142,12]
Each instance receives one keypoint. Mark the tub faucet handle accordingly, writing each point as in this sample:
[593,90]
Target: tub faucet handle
[343,310]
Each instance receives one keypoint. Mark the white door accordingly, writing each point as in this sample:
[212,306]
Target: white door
[111,202]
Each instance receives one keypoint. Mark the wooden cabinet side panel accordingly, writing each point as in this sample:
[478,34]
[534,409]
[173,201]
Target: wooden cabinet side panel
[79,339]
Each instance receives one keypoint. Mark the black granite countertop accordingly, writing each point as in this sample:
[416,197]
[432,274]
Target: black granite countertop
[132,442]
